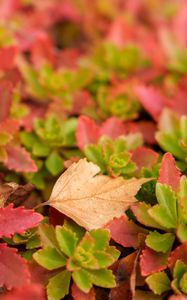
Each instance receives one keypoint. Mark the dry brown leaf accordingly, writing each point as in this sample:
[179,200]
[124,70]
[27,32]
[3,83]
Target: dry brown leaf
[92,201]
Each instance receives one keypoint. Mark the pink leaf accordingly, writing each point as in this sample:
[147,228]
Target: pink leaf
[5,99]
[14,271]
[27,292]
[180,24]
[179,253]
[169,174]
[144,157]
[17,220]
[147,129]
[152,100]
[42,51]
[77,294]
[152,261]
[7,57]
[81,100]
[19,159]
[113,127]
[125,232]
[10,126]
[178,297]
[87,131]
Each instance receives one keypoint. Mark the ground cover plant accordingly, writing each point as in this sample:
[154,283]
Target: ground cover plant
[93,150]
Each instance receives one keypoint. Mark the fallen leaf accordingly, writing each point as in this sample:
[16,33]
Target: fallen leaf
[92,201]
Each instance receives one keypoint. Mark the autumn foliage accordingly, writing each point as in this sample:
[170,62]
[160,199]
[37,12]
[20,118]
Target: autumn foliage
[93,150]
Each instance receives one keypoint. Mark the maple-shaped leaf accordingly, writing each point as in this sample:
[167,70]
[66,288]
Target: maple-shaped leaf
[30,291]
[125,232]
[77,294]
[19,159]
[90,200]
[152,261]
[152,100]
[7,57]
[17,220]
[5,99]
[87,132]
[169,174]
[10,264]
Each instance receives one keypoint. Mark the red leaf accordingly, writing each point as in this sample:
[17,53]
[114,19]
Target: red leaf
[7,57]
[125,270]
[10,126]
[180,24]
[29,292]
[81,100]
[5,99]
[56,217]
[125,232]
[113,127]
[144,157]
[178,297]
[17,220]
[42,51]
[152,261]
[14,271]
[87,131]
[77,294]
[147,129]
[179,253]
[169,174]
[19,159]
[152,100]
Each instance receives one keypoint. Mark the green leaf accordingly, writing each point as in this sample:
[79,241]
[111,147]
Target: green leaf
[183,283]
[94,154]
[141,211]
[28,139]
[182,200]
[50,258]
[160,242]
[4,138]
[182,232]
[40,149]
[101,238]
[103,278]
[183,128]
[179,269]
[47,236]
[158,283]
[67,240]
[170,143]
[3,154]
[54,163]
[165,213]
[58,286]
[82,280]
[69,132]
